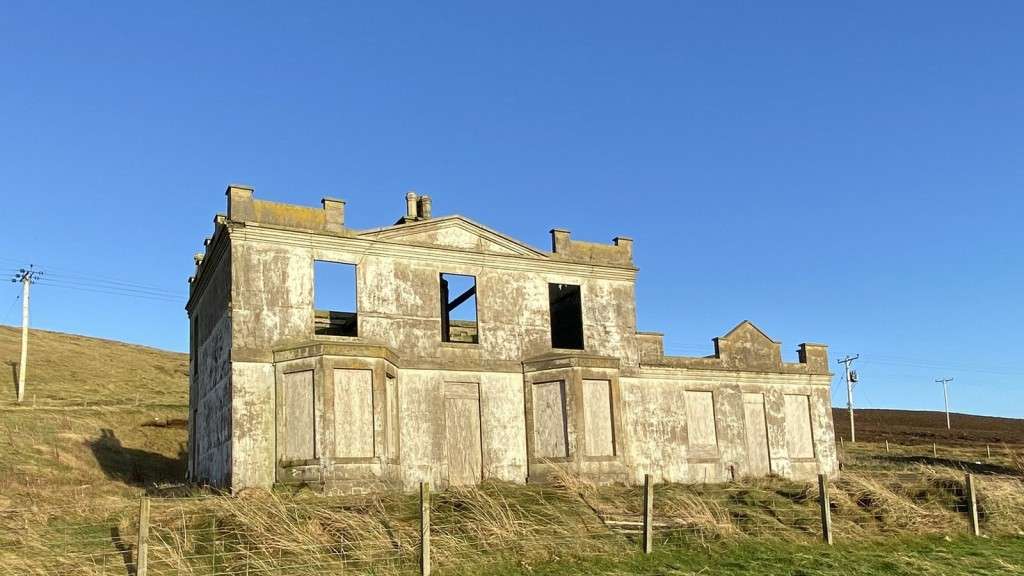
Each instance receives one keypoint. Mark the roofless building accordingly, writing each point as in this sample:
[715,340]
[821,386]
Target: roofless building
[463,354]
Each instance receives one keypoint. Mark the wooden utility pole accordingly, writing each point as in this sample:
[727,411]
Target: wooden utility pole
[945,397]
[25,276]
[849,393]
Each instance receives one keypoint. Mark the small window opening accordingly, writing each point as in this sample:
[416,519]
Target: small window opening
[334,299]
[566,316]
[458,309]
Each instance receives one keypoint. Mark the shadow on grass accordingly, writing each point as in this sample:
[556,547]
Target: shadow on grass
[14,378]
[125,550]
[135,466]
[965,465]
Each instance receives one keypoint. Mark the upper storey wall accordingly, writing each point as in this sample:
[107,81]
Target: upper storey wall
[398,272]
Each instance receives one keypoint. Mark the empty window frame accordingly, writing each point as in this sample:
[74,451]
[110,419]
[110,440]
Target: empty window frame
[334,299]
[566,316]
[458,309]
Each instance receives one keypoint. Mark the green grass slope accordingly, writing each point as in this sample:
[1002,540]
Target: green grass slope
[89,424]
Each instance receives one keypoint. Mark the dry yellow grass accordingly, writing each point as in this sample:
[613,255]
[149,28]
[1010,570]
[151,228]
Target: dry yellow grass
[75,459]
[84,431]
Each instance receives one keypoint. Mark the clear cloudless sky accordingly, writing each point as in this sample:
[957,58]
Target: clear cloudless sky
[845,173]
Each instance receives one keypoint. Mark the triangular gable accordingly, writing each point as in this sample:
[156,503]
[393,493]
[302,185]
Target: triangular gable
[747,347]
[744,328]
[454,232]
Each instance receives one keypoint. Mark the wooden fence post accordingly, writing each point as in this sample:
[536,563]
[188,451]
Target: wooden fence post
[935,451]
[886,446]
[648,514]
[425,528]
[142,555]
[826,510]
[972,505]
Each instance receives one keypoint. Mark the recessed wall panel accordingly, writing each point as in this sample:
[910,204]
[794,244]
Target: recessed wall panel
[297,435]
[597,418]
[353,413]
[799,441]
[549,424]
[700,419]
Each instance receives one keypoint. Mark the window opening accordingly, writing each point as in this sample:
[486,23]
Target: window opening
[566,316]
[334,299]
[458,309]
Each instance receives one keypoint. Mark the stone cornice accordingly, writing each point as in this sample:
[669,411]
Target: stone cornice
[743,377]
[218,246]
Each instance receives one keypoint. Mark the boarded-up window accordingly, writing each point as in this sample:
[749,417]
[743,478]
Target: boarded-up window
[353,413]
[597,418]
[549,430]
[700,419]
[391,392]
[755,424]
[462,433]
[799,441]
[297,415]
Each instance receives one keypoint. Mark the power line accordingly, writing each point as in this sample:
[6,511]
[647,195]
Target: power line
[102,286]
[110,292]
[75,275]
[10,308]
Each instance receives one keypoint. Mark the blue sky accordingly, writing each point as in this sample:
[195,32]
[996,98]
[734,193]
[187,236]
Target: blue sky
[846,174]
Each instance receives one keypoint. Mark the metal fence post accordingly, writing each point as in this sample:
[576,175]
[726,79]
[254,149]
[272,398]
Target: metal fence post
[972,505]
[826,510]
[648,514]
[425,528]
[142,556]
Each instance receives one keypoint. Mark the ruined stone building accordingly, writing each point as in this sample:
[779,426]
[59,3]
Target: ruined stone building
[467,355]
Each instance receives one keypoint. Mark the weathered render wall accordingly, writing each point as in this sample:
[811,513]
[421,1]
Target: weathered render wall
[210,383]
[660,409]
[430,438]
[395,405]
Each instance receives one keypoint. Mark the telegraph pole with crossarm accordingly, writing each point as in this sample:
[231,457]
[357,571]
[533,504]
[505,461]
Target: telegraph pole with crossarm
[851,379]
[26,276]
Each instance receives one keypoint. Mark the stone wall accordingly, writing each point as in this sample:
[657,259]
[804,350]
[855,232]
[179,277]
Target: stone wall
[397,404]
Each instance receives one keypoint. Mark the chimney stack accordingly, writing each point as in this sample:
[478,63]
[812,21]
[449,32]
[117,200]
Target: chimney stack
[424,207]
[411,201]
[334,213]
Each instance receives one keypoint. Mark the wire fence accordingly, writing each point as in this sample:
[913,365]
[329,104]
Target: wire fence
[494,524]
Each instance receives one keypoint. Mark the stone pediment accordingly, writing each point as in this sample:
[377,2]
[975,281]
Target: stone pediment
[454,232]
[747,347]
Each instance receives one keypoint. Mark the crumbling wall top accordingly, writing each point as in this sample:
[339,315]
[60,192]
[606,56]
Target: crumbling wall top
[745,348]
[243,207]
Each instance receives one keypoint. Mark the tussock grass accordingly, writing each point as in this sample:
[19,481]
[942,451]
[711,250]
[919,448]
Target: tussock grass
[75,460]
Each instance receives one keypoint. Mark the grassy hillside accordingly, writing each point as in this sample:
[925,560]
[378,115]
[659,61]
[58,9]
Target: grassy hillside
[91,438]
[90,425]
